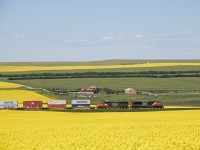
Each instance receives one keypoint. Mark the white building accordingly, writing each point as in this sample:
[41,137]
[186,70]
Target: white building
[130,91]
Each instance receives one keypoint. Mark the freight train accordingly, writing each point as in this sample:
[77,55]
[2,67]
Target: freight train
[61,104]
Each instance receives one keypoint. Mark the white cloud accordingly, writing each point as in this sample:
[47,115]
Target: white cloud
[21,35]
[81,40]
[107,38]
[112,38]
[124,38]
[76,40]
[139,36]
[68,41]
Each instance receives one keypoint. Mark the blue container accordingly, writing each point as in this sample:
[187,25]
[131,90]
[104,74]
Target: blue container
[80,103]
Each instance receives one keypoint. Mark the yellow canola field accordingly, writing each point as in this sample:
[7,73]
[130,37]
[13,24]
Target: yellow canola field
[39,68]
[35,130]
[7,85]
[21,95]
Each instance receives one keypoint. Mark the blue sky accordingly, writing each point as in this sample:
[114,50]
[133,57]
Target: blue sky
[81,30]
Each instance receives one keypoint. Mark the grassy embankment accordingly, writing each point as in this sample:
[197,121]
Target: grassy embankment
[147,84]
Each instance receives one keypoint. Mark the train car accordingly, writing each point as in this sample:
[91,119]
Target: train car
[149,104]
[81,104]
[8,104]
[119,105]
[32,104]
[57,104]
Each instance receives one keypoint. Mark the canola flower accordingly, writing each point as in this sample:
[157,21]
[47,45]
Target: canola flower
[35,130]
[22,95]
[7,85]
[10,91]
[39,68]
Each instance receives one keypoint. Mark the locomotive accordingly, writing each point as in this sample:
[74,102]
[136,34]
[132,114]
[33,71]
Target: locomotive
[119,105]
[133,105]
[149,104]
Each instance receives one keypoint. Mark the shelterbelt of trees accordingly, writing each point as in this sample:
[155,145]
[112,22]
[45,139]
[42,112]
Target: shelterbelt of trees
[148,74]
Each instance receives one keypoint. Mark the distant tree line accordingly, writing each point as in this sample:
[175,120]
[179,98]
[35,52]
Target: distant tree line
[148,74]
[65,90]
[114,91]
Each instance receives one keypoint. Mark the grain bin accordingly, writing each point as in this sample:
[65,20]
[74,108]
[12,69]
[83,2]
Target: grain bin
[32,104]
[57,104]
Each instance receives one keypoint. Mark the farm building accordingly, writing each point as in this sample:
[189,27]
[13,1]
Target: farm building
[130,91]
[91,89]
[89,92]
[86,94]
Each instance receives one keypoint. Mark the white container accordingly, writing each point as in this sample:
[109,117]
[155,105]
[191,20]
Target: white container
[1,104]
[8,104]
[57,102]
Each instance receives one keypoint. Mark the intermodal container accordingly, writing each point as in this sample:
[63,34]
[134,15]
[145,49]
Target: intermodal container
[1,104]
[80,103]
[118,104]
[8,104]
[57,104]
[32,104]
